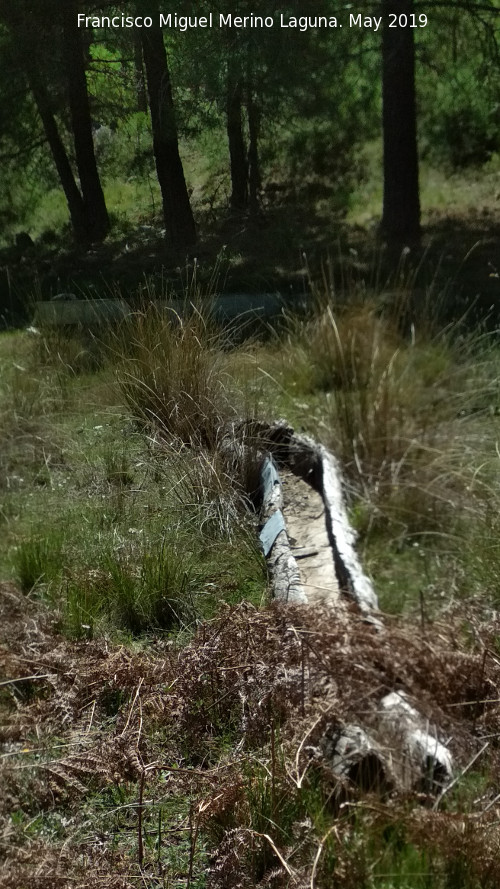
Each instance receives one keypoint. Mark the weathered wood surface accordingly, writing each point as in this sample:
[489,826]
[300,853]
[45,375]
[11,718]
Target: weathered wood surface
[313,463]
[285,576]
[419,759]
[400,749]
[305,518]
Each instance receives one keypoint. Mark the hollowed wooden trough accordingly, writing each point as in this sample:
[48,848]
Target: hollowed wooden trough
[309,545]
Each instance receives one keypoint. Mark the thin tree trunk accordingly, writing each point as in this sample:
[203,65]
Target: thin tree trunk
[254,179]
[97,219]
[237,148]
[401,212]
[140,83]
[179,222]
[73,197]
[24,32]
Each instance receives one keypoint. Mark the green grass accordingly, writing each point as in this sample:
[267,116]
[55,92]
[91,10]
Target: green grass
[129,202]
[120,511]
[111,531]
[38,560]
[441,190]
[411,411]
[413,419]
[153,593]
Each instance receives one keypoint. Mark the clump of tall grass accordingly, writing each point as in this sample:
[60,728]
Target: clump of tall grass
[376,386]
[176,378]
[378,416]
[147,591]
[38,560]
[171,375]
[400,409]
[205,492]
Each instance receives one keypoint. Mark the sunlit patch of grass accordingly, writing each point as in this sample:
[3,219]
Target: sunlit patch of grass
[440,189]
[145,591]
[50,213]
[39,560]
[151,537]
[135,200]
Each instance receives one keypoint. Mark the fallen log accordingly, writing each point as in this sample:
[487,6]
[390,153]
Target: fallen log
[354,756]
[418,758]
[285,575]
[318,467]
[398,753]
[400,750]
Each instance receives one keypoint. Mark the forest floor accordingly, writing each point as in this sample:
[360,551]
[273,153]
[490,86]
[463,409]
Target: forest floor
[200,765]
[162,723]
[288,248]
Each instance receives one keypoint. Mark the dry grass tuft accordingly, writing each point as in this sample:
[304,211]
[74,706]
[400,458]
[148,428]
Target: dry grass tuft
[172,375]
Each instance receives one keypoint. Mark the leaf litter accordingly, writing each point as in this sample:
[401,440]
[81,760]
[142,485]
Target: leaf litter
[231,722]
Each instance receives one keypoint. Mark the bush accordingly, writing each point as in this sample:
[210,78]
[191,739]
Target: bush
[461,121]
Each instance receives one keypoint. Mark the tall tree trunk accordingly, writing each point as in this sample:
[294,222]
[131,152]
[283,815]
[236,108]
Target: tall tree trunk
[24,32]
[254,179]
[237,148]
[74,199]
[140,83]
[97,219]
[401,212]
[179,222]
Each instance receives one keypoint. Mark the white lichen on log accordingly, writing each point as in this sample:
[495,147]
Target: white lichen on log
[351,576]
[285,575]
[418,757]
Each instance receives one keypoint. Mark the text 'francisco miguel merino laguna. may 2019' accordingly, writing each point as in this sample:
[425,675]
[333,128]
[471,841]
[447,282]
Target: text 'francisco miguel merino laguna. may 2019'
[278,20]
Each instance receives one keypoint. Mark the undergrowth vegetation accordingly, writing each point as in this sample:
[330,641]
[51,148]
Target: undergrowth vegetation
[411,410]
[172,375]
[161,721]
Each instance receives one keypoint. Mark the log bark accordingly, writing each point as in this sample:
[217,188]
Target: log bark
[352,578]
[354,756]
[419,759]
[316,465]
[399,752]
[285,576]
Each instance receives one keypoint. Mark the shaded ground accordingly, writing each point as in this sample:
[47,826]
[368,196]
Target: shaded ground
[284,250]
